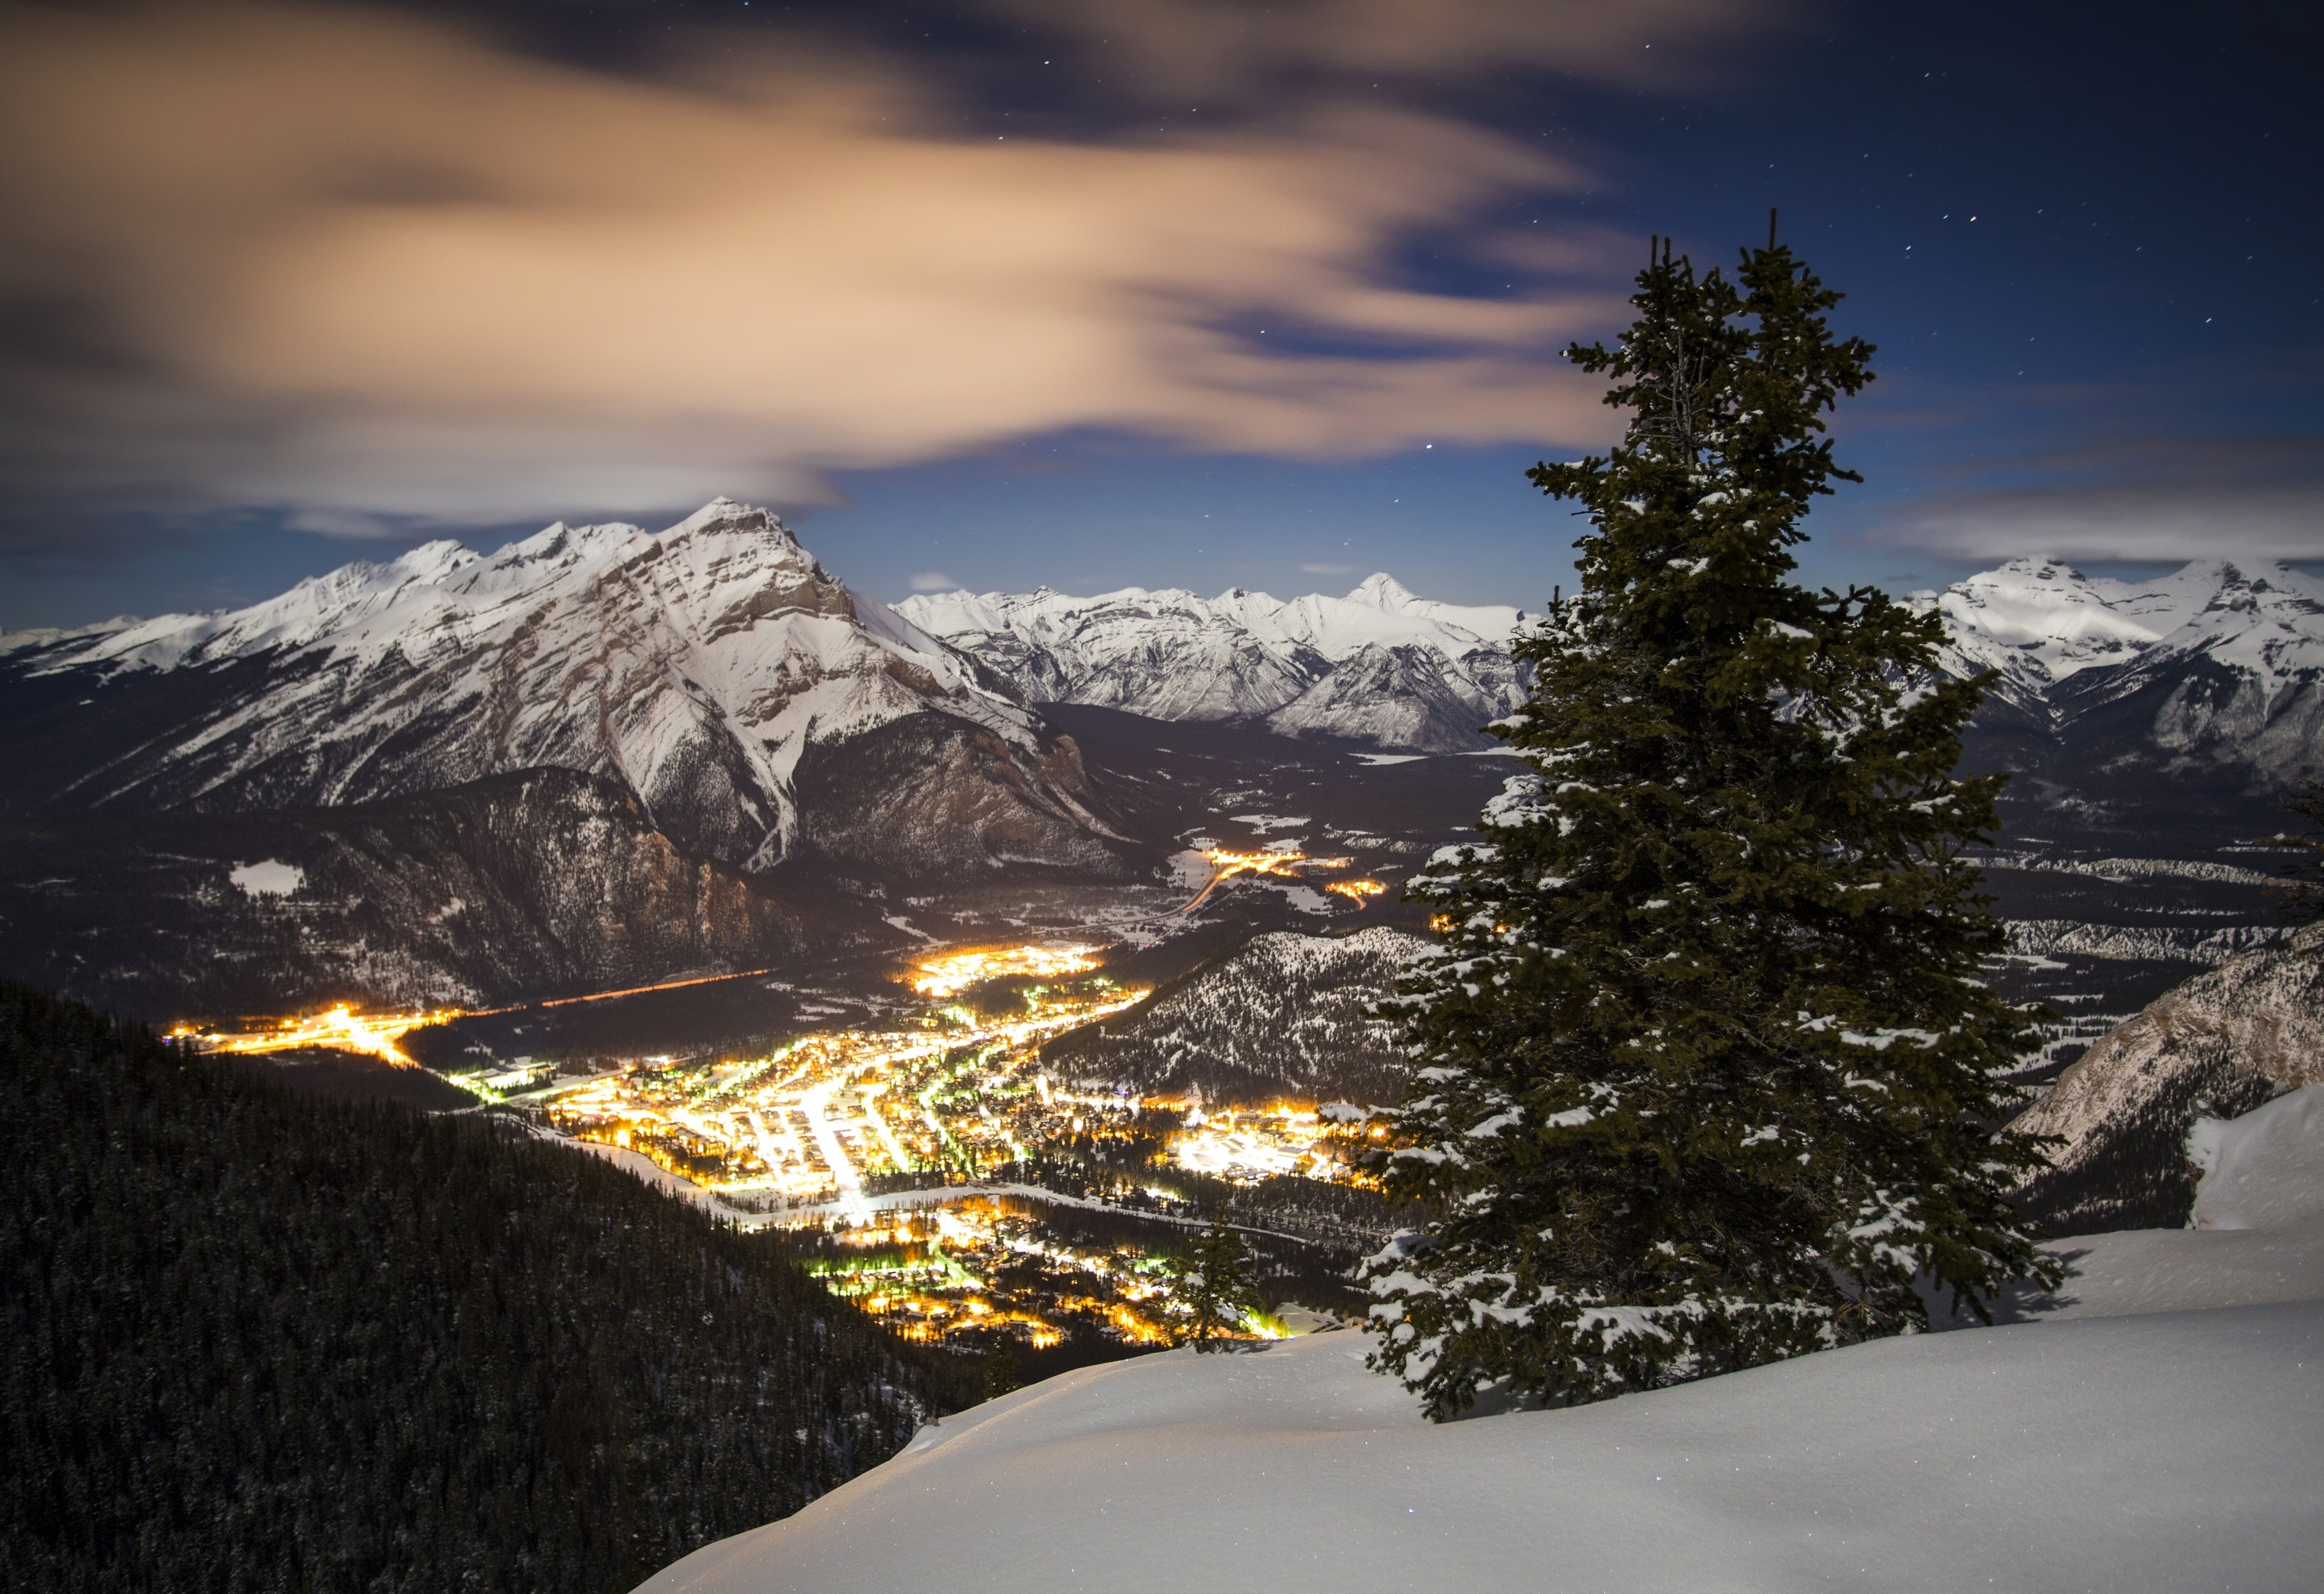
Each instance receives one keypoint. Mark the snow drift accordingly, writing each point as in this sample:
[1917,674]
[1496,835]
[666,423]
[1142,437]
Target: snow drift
[2155,1452]
[2118,1444]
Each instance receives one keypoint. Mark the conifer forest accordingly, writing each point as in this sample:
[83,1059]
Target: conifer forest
[260,1342]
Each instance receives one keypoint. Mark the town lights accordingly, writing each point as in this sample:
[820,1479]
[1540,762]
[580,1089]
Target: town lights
[341,1028]
[940,978]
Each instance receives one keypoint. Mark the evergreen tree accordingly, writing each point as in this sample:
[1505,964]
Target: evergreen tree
[253,1342]
[2303,877]
[1707,1077]
[1220,1286]
[1001,1373]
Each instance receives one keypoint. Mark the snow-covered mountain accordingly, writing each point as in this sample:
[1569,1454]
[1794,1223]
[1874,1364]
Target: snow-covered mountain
[2210,672]
[2207,671]
[1379,665]
[758,708]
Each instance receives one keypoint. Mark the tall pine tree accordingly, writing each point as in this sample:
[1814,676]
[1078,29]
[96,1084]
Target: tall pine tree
[1218,1286]
[1707,1076]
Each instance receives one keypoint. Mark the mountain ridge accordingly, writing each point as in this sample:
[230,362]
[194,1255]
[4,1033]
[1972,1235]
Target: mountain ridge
[1380,664]
[699,668]
[2222,669]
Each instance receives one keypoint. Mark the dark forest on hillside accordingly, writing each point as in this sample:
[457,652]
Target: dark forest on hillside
[260,1342]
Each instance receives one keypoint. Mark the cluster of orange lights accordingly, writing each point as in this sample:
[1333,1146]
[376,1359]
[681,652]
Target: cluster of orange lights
[1225,864]
[947,976]
[375,1034]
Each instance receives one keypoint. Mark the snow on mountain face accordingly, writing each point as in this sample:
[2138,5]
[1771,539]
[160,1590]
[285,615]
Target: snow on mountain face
[2214,668]
[2045,621]
[696,668]
[1380,665]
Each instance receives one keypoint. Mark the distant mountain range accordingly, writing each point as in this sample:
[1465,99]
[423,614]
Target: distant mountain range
[2210,674]
[1378,666]
[600,754]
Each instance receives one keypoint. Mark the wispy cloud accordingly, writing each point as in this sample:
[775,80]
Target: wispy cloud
[380,272]
[1327,570]
[933,581]
[2136,522]
[1230,48]
[2141,498]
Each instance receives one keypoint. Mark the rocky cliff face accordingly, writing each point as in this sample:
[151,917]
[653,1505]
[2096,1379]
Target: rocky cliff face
[2217,1047]
[515,887]
[698,668]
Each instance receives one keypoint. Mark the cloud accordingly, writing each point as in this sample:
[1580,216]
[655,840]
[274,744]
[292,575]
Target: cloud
[380,273]
[1327,570]
[2137,498]
[2131,522]
[1231,48]
[933,581]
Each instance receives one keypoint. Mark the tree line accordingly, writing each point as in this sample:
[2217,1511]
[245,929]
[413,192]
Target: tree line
[260,1342]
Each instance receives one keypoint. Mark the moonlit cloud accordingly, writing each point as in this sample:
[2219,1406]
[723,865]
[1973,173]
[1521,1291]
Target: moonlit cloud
[2138,498]
[2131,522]
[382,272]
[1233,47]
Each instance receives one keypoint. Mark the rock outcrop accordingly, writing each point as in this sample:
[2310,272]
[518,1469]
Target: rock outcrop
[2223,1043]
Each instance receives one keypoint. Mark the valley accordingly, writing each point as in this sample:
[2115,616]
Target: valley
[983,947]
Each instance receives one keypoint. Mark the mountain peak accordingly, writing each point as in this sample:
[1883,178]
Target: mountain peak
[1381,590]
[733,515]
[700,667]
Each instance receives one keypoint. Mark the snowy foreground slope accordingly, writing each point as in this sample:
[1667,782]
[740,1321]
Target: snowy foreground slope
[2131,1441]
[2159,1452]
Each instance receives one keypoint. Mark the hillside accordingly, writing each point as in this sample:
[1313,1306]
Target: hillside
[1283,1014]
[510,888]
[260,1342]
[2220,1044]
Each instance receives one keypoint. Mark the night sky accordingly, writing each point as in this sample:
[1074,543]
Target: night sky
[1108,292]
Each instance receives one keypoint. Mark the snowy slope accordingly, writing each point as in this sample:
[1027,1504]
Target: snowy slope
[2225,1041]
[2255,1235]
[2170,1452]
[2156,1429]
[1379,665]
[699,668]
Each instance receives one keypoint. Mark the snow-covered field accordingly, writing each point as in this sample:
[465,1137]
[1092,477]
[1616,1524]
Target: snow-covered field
[2124,1442]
